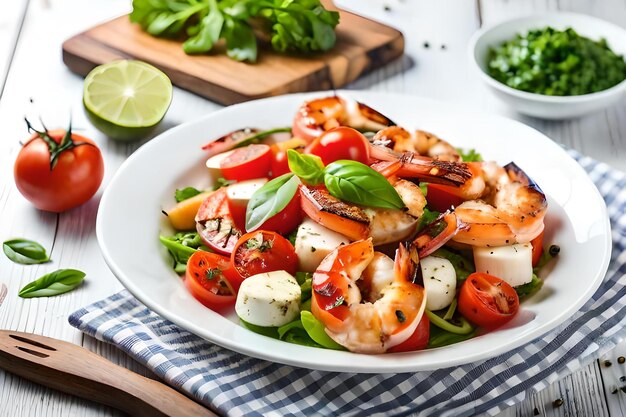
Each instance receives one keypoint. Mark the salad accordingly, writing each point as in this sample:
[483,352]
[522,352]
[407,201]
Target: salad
[346,231]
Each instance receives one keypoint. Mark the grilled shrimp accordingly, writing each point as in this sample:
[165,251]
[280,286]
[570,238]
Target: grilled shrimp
[382,225]
[367,302]
[317,116]
[510,210]
[421,143]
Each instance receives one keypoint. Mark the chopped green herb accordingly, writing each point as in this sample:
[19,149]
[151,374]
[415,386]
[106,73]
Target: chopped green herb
[556,63]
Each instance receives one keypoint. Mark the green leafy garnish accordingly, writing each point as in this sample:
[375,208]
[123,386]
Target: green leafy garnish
[358,183]
[315,329]
[304,26]
[25,252]
[181,246]
[54,283]
[462,262]
[182,194]
[265,331]
[469,155]
[439,337]
[270,199]
[530,288]
[309,168]
[222,182]
[556,63]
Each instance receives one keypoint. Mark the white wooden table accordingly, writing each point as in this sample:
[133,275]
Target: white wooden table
[435,65]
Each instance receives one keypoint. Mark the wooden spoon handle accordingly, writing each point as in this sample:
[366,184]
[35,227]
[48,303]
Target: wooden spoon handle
[77,371]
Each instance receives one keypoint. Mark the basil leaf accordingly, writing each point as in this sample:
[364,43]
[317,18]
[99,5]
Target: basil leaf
[25,252]
[357,183]
[54,283]
[270,200]
[309,168]
[315,329]
[185,193]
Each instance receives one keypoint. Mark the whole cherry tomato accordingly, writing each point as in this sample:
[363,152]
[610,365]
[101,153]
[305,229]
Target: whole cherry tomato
[340,143]
[57,170]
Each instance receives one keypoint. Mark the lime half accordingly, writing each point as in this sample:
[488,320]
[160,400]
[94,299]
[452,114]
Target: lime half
[126,99]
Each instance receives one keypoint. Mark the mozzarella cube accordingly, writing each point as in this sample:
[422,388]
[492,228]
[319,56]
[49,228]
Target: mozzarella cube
[314,242]
[439,282]
[513,263]
[270,299]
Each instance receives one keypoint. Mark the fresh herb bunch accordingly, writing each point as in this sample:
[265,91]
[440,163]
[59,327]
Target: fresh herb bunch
[556,63]
[290,25]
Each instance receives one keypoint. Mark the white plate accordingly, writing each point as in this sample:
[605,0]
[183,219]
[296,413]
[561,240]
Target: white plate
[130,220]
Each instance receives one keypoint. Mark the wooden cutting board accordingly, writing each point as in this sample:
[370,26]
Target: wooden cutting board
[362,45]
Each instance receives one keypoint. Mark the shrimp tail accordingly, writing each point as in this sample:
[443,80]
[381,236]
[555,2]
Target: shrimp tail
[517,174]
[406,261]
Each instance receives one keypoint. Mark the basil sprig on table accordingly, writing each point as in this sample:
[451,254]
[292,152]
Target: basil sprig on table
[54,283]
[24,251]
[347,180]
[270,200]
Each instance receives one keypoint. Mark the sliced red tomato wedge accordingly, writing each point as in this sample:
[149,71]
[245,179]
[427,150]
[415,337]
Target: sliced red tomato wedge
[215,224]
[212,280]
[263,251]
[249,162]
[487,301]
[340,143]
[417,341]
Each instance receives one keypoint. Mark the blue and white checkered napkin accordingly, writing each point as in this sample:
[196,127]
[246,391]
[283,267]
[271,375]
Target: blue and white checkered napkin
[234,385]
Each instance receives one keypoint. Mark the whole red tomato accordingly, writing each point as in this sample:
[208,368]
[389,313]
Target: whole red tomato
[57,171]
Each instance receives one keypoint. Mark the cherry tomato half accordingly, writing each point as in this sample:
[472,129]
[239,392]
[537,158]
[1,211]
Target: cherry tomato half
[215,224]
[263,251]
[249,162]
[340,143]
[418,340]
[72,180]
[212,280]
[487,301]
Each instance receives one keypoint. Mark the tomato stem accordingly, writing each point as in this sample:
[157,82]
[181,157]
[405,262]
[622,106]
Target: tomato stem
[56,149]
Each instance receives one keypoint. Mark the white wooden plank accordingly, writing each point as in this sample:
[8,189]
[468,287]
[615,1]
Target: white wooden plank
[614,377]
[11,20]
[55,91]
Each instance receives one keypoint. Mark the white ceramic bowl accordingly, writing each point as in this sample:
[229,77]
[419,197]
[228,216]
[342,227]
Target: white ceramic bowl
[539,105]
